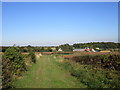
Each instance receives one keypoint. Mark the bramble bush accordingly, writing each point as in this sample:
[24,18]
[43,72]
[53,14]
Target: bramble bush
[108,61]
[13,66]
[95,71]
[91,76]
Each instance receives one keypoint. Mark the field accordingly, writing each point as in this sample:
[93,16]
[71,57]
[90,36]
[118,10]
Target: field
[55,71]
[47,74]
[64,70]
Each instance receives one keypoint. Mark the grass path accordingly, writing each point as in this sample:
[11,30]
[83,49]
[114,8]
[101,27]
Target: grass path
[47,74]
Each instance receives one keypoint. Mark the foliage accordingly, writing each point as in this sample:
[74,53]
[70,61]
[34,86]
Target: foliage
[13,65]
[94,78]
[91,76]
[32,55]
[102,45]
[95,70]
[66,47]
[106,61]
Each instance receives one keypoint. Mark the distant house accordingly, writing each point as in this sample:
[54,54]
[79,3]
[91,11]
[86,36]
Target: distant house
[97,48]
[87,49]
[81,50]
[93,50]
[60,50]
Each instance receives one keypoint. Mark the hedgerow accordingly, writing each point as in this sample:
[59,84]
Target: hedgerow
[32,55]
[95,71]
[13,66]
[108,61]
[91,76]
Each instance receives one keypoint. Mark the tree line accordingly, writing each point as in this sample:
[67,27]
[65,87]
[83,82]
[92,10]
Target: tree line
[67,47]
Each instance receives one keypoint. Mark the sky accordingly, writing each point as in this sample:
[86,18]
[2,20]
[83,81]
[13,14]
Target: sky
[56,23]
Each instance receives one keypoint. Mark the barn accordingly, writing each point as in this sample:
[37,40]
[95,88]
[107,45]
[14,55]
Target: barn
[81,50]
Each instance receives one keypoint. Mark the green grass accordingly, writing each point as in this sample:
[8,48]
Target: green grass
[47,74]
[91,76]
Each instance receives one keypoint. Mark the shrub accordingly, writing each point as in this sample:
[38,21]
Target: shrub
[13,65]
[93,77]
[108,61]
[32,55]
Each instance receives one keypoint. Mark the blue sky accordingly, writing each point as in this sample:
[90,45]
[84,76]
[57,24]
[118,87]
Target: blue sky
[58,23]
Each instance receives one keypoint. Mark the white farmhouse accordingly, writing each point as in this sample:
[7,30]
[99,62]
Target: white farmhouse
[81,50]
[60,50]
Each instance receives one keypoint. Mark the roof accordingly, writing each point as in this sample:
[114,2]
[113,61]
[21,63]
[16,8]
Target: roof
[79,50]
[59,49]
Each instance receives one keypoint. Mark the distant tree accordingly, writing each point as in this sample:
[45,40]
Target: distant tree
[102,45]
[57,48]
[42,49]
[29,46]
[66,47]
[49,49]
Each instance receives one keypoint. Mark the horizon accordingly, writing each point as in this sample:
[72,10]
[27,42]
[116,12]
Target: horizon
[57,23]
[54,45]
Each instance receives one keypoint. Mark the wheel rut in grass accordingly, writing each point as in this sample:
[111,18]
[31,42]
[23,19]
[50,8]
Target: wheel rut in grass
[47,74]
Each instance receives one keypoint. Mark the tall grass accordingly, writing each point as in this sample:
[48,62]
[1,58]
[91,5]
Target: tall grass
[94,70]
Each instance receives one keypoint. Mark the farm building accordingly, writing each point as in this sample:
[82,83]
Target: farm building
[60,50]
[87,49]
[93,50]
[81,50]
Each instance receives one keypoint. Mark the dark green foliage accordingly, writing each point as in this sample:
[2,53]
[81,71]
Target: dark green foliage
[93,77]
[4,49]
[33,58]
[49,49]
[104,61]
[96,70]
[89,78]
[66,47]
[32,55]
[23,49]
[13,65]
[102,45]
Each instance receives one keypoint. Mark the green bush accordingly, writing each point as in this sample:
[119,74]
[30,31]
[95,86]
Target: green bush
[91,76]
[13,65]
[32,55]
[103,61]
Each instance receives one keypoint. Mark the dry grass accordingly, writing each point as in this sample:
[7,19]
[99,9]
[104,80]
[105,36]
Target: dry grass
[90,53]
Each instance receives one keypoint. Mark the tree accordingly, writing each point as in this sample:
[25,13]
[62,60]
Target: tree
[66,47]
[49,49]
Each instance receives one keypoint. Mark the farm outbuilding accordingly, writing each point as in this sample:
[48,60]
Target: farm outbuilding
[60,50]
[81,50]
